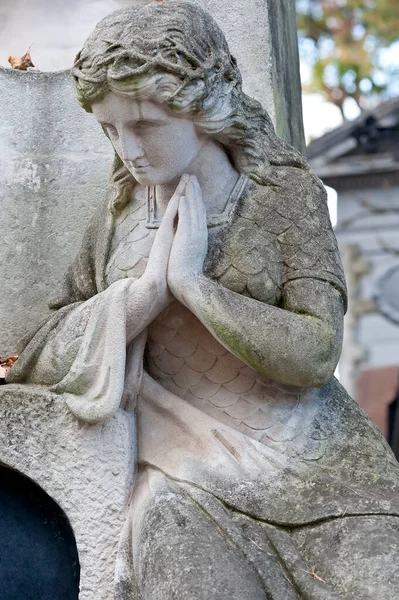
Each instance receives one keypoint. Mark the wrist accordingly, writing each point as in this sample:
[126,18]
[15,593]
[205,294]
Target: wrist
[185,288]
[155,289]
[153,283]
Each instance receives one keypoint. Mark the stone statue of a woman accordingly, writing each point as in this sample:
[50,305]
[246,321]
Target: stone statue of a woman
[213,268]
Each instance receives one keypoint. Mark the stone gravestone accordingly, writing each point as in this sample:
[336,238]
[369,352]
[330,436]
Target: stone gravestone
[179,404]
[55,162]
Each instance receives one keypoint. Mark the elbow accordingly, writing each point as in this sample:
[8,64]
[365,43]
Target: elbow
[321,364]
[311,376]
[310,371]
[319,358]
[321,375]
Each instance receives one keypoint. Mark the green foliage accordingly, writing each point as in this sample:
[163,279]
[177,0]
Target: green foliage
[343,41]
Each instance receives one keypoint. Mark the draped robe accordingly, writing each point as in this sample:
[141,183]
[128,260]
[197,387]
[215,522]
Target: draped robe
[257,476]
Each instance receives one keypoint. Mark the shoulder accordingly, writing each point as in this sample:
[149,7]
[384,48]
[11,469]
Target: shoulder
[292,194]
[246,258]
[294,207]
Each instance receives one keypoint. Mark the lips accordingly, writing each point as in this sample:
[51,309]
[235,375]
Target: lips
[136,166]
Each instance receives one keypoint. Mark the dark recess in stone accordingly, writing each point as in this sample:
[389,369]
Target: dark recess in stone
[38,554]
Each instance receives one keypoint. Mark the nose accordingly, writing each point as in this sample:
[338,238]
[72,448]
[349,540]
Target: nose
[130,146]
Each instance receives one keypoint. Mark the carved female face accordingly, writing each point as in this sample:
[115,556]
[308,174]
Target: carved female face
[156,146]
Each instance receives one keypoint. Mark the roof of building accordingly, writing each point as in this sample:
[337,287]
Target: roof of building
[365,147]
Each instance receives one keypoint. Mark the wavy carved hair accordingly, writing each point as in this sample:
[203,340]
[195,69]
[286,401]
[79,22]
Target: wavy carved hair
[175,53]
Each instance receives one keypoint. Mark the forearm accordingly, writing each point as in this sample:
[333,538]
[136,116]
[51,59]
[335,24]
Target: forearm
[145,302]
[51,353]
[291,348]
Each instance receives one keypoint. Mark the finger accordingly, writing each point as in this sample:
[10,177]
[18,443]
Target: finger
[164,237]
[200,198]
[196,203]
[184,212]
[197,186]
[194,191]
[180,190]
[192,202]
[171,209]
[166,232]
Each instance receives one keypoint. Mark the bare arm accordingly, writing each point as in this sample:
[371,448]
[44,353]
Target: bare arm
[298,344]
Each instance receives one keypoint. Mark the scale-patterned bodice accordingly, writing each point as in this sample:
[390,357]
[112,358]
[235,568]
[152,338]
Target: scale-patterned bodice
[182,354]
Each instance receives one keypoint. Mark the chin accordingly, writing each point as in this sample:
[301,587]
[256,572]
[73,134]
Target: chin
[144,180]
[153,179]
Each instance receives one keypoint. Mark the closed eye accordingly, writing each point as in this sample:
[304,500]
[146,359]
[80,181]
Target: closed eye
[145,124]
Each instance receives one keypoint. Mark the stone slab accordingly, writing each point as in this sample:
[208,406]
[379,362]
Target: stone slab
[54,166]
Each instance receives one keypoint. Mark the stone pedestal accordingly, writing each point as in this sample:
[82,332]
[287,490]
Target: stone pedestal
[87,469]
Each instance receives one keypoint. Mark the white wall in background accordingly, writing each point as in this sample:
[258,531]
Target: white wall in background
[56,29]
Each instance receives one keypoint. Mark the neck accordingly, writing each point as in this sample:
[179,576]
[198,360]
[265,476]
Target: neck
[215,173]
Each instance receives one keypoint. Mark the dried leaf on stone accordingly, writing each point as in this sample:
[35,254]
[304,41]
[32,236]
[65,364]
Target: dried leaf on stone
[5,365]
[21,63]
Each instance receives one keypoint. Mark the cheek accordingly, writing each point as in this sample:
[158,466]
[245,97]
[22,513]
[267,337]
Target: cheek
[172,148]
[183,144]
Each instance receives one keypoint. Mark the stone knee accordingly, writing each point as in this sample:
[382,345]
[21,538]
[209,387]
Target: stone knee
[183,553]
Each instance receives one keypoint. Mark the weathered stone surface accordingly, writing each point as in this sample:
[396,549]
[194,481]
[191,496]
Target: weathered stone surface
[86,469]
[54,165]
[213,312]
[54,162]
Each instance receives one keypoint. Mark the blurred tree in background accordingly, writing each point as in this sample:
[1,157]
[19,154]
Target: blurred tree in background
[352,49]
